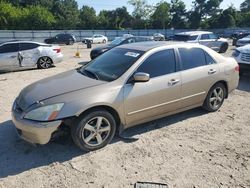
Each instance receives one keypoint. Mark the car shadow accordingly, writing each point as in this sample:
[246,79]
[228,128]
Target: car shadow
[17,156]
[244,83]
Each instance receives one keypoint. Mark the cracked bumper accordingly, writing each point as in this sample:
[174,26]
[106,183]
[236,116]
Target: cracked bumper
[33,131]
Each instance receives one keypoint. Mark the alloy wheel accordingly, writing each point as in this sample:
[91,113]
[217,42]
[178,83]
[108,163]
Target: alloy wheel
[45,62]
[216,98]
[96,131]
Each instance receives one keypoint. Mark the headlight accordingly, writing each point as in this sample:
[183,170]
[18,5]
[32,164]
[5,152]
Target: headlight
[236,53]
[45,113]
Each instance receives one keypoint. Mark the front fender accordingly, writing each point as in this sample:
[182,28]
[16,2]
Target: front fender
[77,102]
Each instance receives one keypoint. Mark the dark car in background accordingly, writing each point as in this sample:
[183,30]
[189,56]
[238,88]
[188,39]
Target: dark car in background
[63,38]
[239,35]
[117,42]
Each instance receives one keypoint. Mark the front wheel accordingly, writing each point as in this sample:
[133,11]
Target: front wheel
[104,41]
[94,130]
[215,97]
[44,63]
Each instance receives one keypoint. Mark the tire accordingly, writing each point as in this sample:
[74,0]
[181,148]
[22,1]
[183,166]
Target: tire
[94,130]
[223,48]
[215,97]
[70,42]
[241,73]
[104,41]
[44,62]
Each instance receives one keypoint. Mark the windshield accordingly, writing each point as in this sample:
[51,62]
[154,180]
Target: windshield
[112,64]
[117,41]
[185,37]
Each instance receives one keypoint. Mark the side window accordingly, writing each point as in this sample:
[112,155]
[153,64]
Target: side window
[58,36]
[192,58]
[159,64]
[192,37]
[27,46]
[209,59]
[205,37]
[213,36]
[8,48]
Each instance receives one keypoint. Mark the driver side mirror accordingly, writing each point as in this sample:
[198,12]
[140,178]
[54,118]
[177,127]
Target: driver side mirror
[141,77]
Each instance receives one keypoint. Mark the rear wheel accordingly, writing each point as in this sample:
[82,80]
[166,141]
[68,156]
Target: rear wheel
[104,41]
[44,63]
[223,48]
[215,97]
[94,130]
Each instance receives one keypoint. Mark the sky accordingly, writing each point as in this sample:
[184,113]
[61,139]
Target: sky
[113,4]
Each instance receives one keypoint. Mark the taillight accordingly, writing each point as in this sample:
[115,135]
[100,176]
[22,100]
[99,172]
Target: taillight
[237,68]
[58,50]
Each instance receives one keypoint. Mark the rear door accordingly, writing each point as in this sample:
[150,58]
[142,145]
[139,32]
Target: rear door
[161,94]
[205,40]
[9,55]
[199,73]
[216,44]
[29,54]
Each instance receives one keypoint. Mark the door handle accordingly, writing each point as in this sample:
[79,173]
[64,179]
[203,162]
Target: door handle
[212,71]
[173,82]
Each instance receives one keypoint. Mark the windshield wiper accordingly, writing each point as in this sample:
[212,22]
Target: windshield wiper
[92,73]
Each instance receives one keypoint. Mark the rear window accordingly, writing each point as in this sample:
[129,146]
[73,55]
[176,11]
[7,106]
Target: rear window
[185,37]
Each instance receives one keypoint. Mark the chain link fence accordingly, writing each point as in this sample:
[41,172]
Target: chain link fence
[40,35]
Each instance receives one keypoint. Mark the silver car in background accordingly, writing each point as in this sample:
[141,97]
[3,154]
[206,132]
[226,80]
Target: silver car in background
[244,41]
[242,56]
[28,54]
[205,38]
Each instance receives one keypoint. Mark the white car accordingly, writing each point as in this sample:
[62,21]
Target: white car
[17,54]
[205,38]
[242,56]
[97,38]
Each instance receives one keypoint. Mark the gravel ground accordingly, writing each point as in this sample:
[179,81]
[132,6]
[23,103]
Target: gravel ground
[190,149]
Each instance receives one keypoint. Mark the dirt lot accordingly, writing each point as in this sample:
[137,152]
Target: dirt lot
[191,149]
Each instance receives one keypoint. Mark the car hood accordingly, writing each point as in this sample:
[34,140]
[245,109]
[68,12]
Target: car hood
[244,49]
[54,86]
[223,39]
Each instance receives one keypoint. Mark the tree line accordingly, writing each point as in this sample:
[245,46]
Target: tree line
[65,14]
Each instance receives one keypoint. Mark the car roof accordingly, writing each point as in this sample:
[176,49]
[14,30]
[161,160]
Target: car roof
[146,46]
[194,33]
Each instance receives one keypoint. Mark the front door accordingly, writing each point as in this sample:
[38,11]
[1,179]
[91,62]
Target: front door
[161,94]
[9,55]
[28,53]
